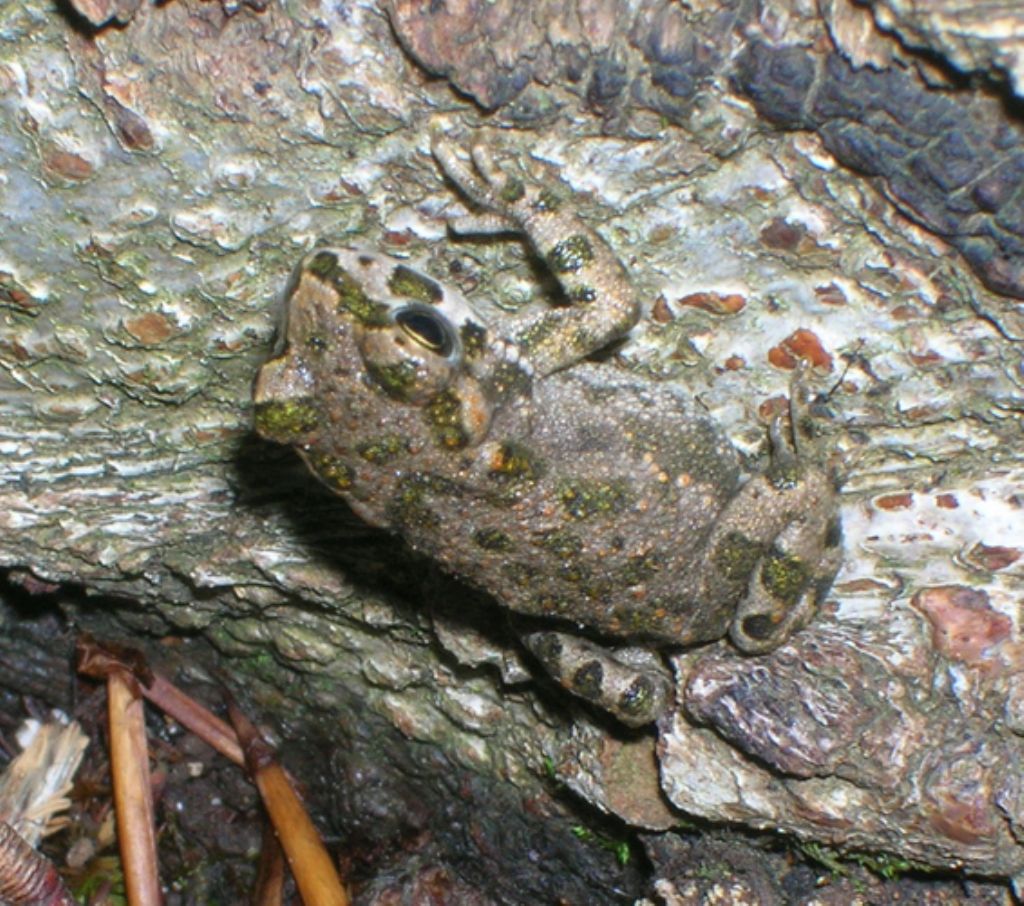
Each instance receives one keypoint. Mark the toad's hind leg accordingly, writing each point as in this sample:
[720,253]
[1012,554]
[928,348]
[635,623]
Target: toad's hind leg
[777,546]
[629,683]
[792,574]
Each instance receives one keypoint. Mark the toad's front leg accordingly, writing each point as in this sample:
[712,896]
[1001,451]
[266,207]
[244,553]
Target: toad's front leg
[603,305]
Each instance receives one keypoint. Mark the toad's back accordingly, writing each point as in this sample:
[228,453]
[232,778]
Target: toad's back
[592,500]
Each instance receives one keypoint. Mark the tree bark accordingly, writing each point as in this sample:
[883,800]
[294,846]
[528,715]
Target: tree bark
[781,185]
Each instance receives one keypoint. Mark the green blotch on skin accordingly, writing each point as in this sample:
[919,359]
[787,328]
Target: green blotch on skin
[600,591]
[638,699]
[333,472]
[571,254]
[547,200]
[537,333]
[506,495]
[410,512]
[352,299]
[588,680]
[586,497]
[515,462]
[439,485]
[512,191]
[548,647]
[581,294]
[736,556]
[573,571]
[784,472]
[561,543]
[552,604]
[444,413]
[323,265]
[410,509]
[474,339]
[492,539]
[383,449]
[519,574]
[642,440]
[640,622]
[404,281]
[286,421]
[640,568]
[784,576]
[808,426]
[396,378]
[509,378]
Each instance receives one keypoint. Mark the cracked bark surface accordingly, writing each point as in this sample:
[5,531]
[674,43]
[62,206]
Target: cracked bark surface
[161,178]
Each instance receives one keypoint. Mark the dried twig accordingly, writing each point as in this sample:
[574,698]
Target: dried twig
[95,658]
[193,716]
[270,876]
[124,668]
[314,872]
[133,801]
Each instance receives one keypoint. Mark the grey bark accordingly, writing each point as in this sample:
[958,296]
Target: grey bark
[159,182]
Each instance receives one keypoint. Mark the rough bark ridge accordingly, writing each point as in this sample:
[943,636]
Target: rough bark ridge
[781,185]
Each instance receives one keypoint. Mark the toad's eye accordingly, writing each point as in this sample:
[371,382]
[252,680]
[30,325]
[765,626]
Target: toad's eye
[428,329]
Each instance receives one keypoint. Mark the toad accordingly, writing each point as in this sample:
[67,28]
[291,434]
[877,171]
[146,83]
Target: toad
[604,508]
